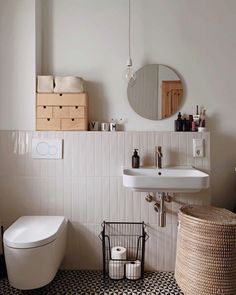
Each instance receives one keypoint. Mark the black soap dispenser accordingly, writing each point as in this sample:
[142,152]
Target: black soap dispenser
[135,159]
[179,123]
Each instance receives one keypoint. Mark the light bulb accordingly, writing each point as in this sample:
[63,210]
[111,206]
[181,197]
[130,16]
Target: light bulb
[129,74]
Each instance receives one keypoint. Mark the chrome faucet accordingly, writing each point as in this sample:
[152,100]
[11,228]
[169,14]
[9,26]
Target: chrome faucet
[158,157]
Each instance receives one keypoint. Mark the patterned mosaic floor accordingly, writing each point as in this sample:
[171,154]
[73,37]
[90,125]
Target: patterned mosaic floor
[92,283]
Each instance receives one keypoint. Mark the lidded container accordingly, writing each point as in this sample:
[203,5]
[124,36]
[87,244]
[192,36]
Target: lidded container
[206,251]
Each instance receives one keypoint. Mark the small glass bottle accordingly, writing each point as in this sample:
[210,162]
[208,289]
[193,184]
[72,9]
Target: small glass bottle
[179,123]
[135,159]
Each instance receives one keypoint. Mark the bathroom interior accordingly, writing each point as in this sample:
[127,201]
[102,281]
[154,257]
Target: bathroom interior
[117,147]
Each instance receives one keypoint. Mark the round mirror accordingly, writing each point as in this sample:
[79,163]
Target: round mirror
[156,93]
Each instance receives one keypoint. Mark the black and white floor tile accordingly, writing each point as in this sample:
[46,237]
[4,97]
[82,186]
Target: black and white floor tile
[92,283]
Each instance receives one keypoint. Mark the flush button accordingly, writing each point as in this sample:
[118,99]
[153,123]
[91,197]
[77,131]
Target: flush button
[46,148]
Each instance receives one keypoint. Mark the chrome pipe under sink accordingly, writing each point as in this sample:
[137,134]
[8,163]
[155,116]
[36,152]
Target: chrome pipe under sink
[162,212]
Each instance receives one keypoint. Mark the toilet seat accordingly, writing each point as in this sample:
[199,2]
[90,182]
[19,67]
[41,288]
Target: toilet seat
[33,231]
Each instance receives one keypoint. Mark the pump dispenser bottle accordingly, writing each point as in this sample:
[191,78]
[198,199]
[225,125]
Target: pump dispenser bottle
[179,123]
[135,159]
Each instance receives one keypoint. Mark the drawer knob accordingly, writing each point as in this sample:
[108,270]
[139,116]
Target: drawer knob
[76,107]
[73,119]
[60,107]
[44,107]
[48,119]
[60,94]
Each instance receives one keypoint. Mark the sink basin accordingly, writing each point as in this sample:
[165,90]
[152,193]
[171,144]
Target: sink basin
[171,179]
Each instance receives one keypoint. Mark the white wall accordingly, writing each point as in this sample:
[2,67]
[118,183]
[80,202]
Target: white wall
[89,38]
[17,64]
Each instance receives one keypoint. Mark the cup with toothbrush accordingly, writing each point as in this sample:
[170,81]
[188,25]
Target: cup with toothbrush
[202,122]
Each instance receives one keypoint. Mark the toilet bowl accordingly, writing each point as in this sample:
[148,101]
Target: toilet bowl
[34,248]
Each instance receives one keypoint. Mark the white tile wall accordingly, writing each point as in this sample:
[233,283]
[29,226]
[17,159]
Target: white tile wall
[86,187]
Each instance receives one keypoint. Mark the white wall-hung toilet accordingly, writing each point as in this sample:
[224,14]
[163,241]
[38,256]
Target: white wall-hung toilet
[34,248]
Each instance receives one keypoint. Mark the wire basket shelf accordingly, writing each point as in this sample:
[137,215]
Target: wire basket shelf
[123,247]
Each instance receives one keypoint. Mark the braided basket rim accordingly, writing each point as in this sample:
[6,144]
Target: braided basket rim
[204,214]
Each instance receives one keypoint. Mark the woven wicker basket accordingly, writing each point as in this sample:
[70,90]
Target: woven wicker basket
[206,251]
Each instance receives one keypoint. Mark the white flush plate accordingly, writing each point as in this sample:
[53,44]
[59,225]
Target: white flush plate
[46,148]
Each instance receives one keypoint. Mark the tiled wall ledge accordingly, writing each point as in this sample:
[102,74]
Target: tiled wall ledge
[86,187]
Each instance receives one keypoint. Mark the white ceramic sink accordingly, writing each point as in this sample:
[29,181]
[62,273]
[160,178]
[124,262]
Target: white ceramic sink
[171,179]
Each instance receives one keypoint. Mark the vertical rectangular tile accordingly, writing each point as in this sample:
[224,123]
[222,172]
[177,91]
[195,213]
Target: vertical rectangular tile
[51,195]
[174,157]
[120,152]
[151,148]
[121,200]
[98,153]
[105,155]
[81,191]
[137,203]
[198,161]
[182,157]
[81,159]
[68,152]
[128,148]
[166,143]
[152,214]
[167,246]
[90,188]
[59,196]
[151,247]
[143,141]
[68,198]
[90,151]
[75,155]
[113,154]
[98,201]
[206,160]
[113,193]
[106,198]
[59,164]
[129,210]
[144,208]
[190,159]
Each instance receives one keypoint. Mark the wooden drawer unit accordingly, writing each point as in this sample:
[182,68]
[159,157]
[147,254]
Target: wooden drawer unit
[48,124]
[44,112]
[62,99]
[73,124]
[77,112]
[61,111]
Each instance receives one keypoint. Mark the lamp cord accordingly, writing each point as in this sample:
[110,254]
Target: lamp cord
[129,29]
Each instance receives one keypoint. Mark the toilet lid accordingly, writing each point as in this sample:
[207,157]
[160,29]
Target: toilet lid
[33,231]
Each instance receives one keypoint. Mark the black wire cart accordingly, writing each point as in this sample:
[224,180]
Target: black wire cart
[129,237]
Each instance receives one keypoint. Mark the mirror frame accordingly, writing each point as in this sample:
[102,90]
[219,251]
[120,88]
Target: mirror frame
[182,89]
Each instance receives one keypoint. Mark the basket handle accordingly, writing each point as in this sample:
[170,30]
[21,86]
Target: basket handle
[100,236]
[102,226]
[146,236]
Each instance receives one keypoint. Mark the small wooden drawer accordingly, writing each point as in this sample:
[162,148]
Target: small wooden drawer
[62,99]
[48,124]
[44,112]
[77,112]
[73,124]
[60,112]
